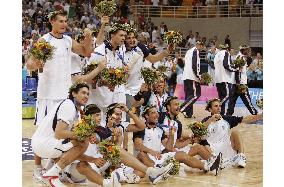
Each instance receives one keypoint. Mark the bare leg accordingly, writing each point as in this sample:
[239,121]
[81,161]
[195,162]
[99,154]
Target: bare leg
[37,161]
[188,160]
[200,150]
[237,142]
[129,160]
[85,169]
[71,155]
[144,158]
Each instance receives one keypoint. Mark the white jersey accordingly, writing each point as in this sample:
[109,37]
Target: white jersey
[191,65]
[102,96]
[43,140]
[158,101]
[55,80]
[219,138]
[244,78]
[135,63]
[223,69]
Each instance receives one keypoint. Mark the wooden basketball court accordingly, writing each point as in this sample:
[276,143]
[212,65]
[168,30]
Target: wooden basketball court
[252,175]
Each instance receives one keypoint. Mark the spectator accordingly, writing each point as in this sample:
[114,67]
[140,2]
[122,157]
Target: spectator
[191,42]
[91,25]
[228,41]
[85,18]
[155,34]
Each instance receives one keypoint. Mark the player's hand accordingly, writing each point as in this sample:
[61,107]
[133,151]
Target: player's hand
[99,162]
[104,20]
[102,64]
[215,117]
[156,154]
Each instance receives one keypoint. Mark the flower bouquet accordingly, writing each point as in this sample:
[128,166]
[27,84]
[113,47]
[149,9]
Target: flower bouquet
[42,50]
[150,76]
[93,65]
[241,89]
[105,8]
[239,62]
[162,68]
[199,129]
[85,127]
[110,151]
[173,37]
[259,103]
[206,78]
[112,77]
[175,168]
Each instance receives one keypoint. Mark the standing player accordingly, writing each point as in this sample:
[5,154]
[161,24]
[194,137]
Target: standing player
[241,79]
[55,79]
[191,78]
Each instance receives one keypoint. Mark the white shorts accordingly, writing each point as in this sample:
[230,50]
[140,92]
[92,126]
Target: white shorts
[165,156]
[43,106]
[50,147]
[225,148]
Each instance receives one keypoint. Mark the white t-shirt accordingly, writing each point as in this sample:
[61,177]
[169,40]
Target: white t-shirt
[55,80]
[66,112]
[158,101]
[102,96]
[155,2]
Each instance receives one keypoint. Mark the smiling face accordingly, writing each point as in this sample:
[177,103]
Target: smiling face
[215,108]
[130,40]
[152,116]
[82,96]
[173,107]
[59,24]
[118,38]
[97,117]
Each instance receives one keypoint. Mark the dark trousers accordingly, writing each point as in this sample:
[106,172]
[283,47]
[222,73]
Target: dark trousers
[245,98]
[192,91]
[224,92]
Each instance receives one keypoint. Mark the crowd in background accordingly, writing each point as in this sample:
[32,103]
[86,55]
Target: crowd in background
[35,24]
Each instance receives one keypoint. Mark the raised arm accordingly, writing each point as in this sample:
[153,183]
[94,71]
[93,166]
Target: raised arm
[101,35]
[85,48]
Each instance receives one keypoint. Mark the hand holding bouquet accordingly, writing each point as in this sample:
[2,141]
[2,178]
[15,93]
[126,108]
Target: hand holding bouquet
[110,151]
[206,78]
[105,8]
[241,89]
[85,127]
[199,129]
[42,51]
[175,168]
[239,62]
[112,77]
[173,37]
[150,76]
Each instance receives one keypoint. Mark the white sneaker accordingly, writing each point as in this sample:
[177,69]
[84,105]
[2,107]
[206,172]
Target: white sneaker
[213,164]
[157,174]
[37,176]
[242,161]
[54,181]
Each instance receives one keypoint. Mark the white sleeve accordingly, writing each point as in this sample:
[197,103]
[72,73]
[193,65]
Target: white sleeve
[75,64]
[67,112]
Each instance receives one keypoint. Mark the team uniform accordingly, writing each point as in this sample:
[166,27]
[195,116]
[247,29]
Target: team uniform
[224,77]
[55,80]
[152,138]
[158,101]
[44,143]
[191,78]
[102,96]
[167,123]
[241,78]
[218,138]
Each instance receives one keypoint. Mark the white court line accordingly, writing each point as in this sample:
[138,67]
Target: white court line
[206,182]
